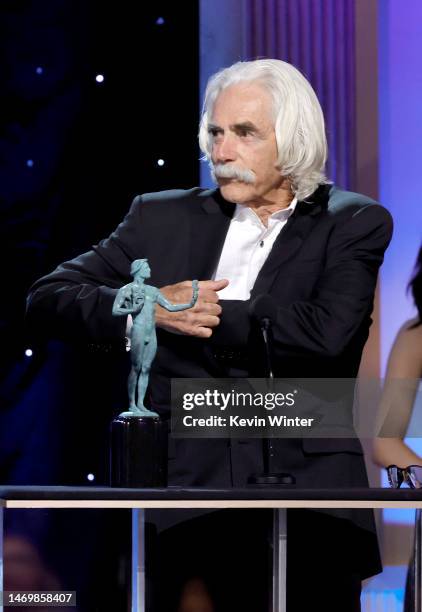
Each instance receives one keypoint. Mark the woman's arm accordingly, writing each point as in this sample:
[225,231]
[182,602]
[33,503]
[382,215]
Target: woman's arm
[393,451]
[401,384]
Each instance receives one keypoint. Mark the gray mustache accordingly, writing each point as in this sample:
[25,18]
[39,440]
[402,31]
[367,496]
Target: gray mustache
[232,172]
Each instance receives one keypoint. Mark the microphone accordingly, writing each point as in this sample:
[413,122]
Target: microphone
[266,325]
[267,478]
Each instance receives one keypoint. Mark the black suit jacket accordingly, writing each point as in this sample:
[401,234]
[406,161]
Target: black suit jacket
[317,286]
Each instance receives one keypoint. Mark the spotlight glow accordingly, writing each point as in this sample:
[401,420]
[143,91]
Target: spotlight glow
[30,163]
[39,70]
[160,21]
[90,477]
[28,353]
[160,162]
[99,78]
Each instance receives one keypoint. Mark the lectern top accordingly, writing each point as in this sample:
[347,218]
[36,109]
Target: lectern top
[178,497]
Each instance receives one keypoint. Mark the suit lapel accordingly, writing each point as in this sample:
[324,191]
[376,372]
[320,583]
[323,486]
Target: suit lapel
[208,228]
[291,238]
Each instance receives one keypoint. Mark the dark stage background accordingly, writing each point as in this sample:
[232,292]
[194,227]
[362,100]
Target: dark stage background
[73,154]
[93,96]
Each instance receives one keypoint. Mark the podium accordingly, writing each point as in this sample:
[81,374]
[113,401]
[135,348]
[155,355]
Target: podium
[279,500]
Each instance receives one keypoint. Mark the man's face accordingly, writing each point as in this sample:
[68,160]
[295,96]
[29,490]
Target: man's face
[243,137]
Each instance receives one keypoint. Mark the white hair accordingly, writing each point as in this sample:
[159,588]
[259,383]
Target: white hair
[298,119]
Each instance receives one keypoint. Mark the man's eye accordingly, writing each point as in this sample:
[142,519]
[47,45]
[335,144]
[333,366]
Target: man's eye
[214,132]
[244,133]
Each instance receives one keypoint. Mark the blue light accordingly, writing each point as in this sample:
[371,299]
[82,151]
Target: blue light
[39,70]
[90,477]
[400,134]
[99,78]
[160,21]
[30,163]
[28,353]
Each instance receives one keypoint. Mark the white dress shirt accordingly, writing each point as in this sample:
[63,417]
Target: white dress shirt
[247,246]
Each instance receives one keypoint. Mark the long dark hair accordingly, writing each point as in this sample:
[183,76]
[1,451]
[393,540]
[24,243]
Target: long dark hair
[415,286]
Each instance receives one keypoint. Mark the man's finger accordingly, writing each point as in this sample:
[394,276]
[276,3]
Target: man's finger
[208,307]
[211,308]
[214,285]
[206,320]
[206,295]
[203,332]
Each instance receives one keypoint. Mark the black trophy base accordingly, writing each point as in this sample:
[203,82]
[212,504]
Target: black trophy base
[138,451]
[268,480]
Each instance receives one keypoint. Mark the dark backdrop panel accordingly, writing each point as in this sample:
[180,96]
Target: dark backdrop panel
[73,154]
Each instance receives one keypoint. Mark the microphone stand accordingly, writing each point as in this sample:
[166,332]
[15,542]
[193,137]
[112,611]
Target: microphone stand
[268,478]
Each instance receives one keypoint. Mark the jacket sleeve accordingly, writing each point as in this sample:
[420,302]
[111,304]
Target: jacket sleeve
[341,299]
[75,301]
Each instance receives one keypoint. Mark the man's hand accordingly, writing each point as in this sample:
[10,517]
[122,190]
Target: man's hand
[197,321]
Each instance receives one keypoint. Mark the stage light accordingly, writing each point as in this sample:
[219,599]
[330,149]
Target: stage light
[160,21]
[39,70]
[90,477]
[28,353]
[99,78]
[160,162]
[29,163]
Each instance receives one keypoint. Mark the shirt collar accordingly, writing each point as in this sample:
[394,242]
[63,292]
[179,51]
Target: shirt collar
[244,212]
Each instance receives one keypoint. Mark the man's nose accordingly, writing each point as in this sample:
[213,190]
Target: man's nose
[225,150]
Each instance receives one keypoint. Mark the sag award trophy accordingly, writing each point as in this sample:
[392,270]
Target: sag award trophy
[138,435]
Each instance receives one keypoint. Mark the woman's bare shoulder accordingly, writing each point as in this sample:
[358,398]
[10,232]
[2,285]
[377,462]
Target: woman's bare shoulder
[408,343]
[410,331]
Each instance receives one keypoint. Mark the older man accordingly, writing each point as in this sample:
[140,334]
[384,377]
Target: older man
[275,240]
